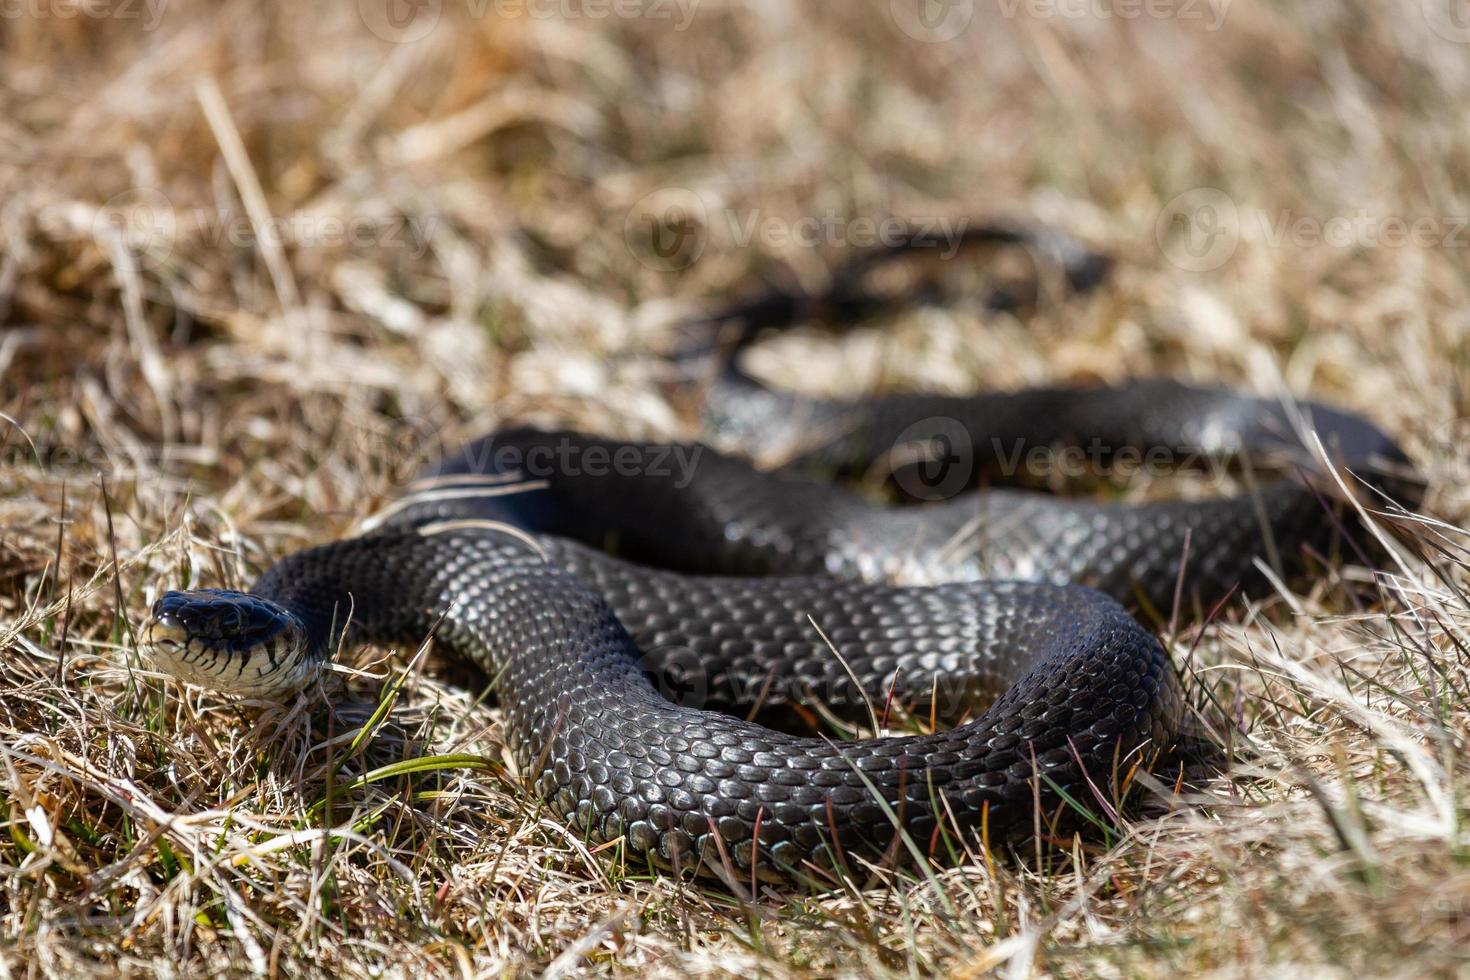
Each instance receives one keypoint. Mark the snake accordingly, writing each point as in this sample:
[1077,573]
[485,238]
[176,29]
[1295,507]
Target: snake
[643,609]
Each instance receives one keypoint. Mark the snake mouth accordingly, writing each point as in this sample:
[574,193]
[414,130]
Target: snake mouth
[229,641]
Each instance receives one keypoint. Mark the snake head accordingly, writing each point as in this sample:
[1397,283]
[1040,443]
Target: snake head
[229,641]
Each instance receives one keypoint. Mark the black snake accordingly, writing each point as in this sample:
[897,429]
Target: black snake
[627,589]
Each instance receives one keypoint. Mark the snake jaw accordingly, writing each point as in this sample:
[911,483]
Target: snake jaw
[228,641]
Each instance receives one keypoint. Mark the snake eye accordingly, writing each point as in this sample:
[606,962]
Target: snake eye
[227,640]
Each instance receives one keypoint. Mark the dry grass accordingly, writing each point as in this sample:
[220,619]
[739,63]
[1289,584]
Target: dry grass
[193,398]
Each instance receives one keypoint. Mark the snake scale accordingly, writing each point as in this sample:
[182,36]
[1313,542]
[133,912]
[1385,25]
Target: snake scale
[631,601]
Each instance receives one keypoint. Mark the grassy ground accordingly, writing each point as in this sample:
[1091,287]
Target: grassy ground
[259,259]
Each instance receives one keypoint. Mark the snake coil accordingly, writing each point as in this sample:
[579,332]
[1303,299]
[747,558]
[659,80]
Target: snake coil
[733,587]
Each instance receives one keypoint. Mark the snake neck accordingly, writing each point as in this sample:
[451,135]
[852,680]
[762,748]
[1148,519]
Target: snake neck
[482,594]
[385,588]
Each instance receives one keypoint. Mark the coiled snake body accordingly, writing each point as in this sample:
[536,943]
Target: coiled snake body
[732,587]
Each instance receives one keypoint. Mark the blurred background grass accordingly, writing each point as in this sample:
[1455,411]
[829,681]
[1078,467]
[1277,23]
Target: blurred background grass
[258,259]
